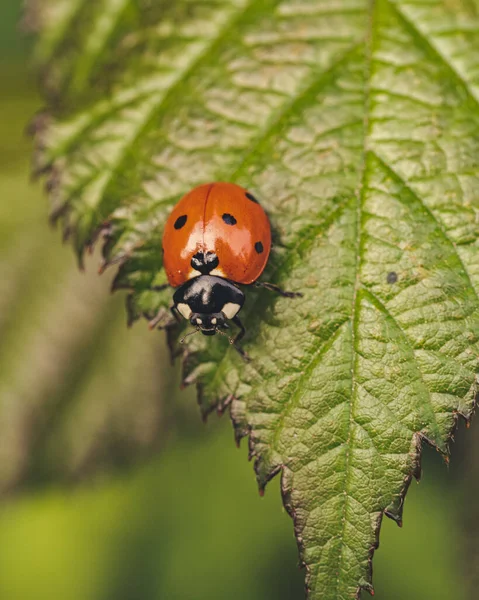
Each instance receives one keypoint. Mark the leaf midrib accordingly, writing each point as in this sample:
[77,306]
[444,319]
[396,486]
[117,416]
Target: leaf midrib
[368,42]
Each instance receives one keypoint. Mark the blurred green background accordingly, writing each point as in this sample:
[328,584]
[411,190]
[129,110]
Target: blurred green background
[113,488]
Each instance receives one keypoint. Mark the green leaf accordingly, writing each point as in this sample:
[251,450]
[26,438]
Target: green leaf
[357,125]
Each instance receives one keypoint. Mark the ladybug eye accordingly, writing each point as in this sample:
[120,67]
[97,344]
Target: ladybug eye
[180,221]
[229,219]
[258,247]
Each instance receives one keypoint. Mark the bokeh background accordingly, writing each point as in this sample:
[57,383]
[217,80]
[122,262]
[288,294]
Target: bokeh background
[112,486]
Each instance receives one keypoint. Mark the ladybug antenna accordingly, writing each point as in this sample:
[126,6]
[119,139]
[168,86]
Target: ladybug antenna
[231,340]
[182,341]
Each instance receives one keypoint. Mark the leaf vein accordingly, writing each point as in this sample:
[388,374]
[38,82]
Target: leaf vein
[439,224]
[424,40]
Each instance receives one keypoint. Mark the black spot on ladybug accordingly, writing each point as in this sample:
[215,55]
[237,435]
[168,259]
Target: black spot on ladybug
[392,277]
[229,219]
[204,262]
[251,197]
[180,222]
[258,247]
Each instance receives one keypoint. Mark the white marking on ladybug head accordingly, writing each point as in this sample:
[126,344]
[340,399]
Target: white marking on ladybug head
[218,271]
[230,310]
[199,321]
[214,320]
[184,310]
[192,273]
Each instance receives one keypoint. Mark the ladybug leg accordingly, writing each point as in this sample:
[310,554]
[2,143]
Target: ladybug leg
[159,288]
[239,337]
[238,323]
[274,288]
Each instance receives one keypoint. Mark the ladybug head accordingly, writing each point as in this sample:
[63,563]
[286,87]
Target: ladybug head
[208,324]
[208,302]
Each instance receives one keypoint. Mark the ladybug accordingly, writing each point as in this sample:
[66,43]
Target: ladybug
[217,238]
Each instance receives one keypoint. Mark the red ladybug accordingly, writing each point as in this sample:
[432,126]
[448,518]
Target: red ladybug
[216,237]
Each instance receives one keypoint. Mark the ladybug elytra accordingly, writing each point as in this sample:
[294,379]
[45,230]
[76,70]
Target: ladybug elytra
[216,238]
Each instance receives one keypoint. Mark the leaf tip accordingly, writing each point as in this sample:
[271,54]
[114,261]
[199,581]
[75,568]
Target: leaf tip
[80,262]
[265,473]
[366,586]
[396,517]
[131,312]
[224,404]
